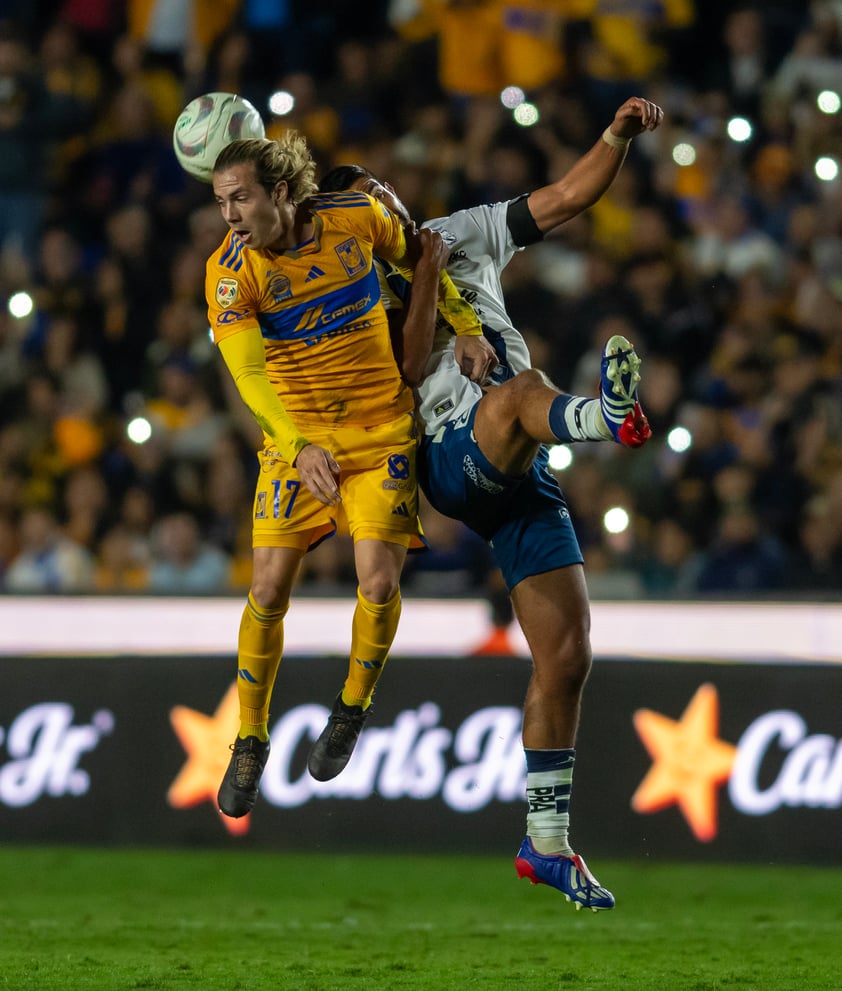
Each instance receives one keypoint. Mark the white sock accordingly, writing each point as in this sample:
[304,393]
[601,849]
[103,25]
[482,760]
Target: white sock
[548,818]
[575,418]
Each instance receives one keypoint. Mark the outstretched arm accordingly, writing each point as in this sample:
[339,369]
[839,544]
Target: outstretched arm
[591,176]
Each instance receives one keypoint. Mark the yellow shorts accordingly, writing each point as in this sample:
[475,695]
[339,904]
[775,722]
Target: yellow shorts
[377,484]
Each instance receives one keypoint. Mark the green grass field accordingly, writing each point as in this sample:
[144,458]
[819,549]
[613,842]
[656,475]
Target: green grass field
[242,921]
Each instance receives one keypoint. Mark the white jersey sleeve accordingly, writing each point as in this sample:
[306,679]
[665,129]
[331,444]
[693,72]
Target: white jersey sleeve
[480,248]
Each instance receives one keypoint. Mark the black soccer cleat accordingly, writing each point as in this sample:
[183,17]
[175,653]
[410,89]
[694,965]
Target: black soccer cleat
[238,791]
[334,747]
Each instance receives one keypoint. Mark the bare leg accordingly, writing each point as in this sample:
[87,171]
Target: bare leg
[512,421]
[553,612]
[274,574]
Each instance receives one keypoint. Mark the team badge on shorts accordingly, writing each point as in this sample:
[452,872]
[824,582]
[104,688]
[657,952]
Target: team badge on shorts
[398,466]
[399,473]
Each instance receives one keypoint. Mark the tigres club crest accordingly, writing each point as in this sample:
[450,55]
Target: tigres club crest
[226,291]
[351,256]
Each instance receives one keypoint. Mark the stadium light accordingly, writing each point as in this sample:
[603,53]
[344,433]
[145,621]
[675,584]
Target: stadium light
[739,129]
[526,114]
[679,439]
[560,457]
[827,168]
[139,430]
[20,305]
[684,154]
[616,520]
[512,96]
[828,101]
[281,103]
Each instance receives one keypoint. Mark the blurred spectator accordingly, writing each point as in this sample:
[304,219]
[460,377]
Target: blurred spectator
[817,562]
[228,488]
[180,34]
[721,260]
[63,284]
[742,559]
[485,45]
[740,75]
[48,562]
[457,561]
[30,123]
[180,407]
[136,69]
[9,543]
[317,119]
[87,510]
[77,367]
[630,45]
[127,282]
[182,563]
[232,68]
[665,564]
[75,85]
[119,566]
[133,161]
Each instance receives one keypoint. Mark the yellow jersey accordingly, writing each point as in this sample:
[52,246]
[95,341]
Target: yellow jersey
[318,309]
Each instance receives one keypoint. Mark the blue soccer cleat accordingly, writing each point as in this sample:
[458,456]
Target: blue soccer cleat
[618,393]
[569,874]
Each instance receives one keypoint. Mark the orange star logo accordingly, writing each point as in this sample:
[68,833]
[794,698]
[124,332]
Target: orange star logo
[207,740]
[689,762]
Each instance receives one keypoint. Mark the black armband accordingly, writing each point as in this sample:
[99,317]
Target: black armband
[522,224]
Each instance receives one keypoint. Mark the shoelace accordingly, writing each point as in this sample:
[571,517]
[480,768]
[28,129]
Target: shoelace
[343,723]
[248,765]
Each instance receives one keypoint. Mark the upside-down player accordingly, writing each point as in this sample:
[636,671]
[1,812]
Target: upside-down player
[481,461]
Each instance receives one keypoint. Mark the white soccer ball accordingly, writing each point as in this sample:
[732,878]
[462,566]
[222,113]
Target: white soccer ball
[207,124]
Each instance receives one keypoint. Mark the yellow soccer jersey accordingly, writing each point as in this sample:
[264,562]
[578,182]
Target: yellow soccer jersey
[318,308]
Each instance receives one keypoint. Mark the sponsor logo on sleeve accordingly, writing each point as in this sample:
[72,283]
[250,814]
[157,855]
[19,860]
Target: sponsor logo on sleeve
[226,292]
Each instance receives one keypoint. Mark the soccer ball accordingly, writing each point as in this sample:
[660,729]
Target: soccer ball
[206,125]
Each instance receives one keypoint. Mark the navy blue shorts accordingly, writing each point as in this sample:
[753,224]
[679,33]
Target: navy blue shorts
[525,520]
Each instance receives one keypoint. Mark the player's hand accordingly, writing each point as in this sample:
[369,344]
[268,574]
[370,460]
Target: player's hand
[476,357]
[636,116]
[426,247]
[319,471]
[434,249]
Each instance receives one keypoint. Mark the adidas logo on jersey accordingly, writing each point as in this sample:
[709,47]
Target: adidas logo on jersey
[400,510]
[314,273]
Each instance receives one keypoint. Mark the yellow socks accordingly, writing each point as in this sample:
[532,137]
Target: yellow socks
[259,648]
[372,633]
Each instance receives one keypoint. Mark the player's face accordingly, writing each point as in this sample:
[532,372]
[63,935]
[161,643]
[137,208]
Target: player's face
[254,215]
[386,194]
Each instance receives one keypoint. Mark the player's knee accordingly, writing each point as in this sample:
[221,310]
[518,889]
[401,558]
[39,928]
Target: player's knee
[529,381]
[379,588]
[564,670]
[269,591]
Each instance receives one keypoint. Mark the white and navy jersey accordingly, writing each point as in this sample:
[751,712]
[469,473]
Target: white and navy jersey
[481,245]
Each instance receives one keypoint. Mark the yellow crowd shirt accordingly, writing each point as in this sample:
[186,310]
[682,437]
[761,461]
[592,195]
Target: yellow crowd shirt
[318,309]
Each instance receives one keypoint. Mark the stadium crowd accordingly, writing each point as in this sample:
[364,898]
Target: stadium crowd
[717,251]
